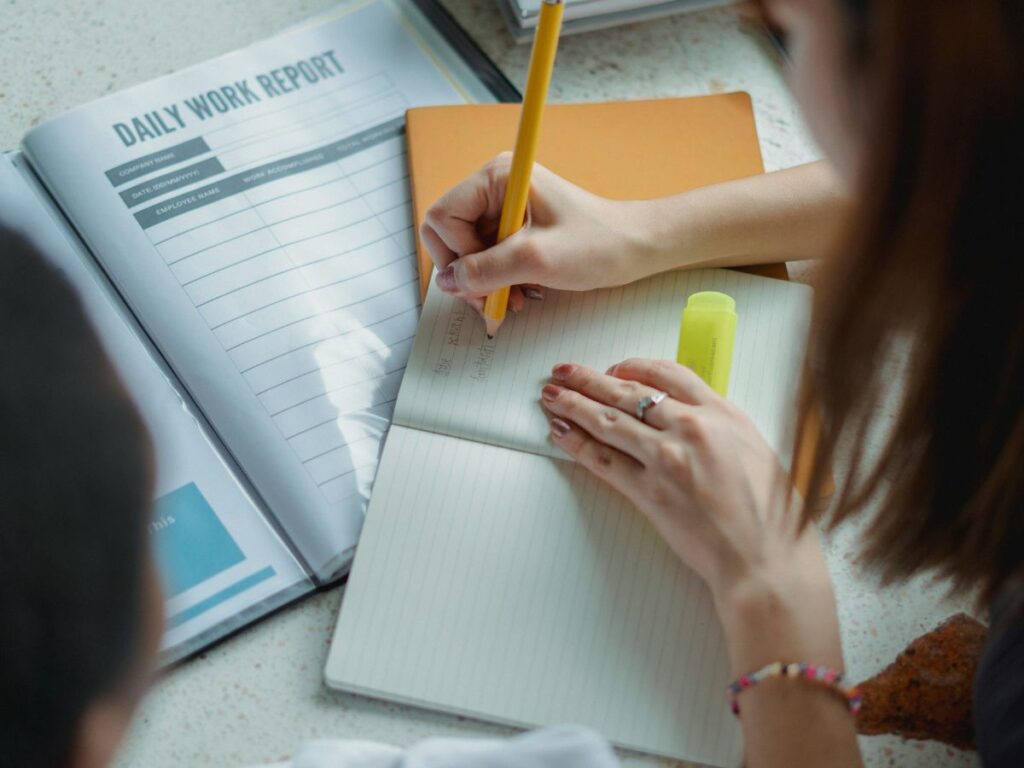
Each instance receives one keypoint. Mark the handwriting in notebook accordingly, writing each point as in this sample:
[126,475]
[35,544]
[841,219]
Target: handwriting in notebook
[453,335]
[458,334]
[483,359]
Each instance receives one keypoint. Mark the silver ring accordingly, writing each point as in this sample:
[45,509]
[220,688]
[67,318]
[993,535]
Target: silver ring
[648,401]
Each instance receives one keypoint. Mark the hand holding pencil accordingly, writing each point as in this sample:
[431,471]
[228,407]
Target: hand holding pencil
[577,240]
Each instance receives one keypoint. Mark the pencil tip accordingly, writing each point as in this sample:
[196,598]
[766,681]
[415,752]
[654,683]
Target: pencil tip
[489,337]
[491,327]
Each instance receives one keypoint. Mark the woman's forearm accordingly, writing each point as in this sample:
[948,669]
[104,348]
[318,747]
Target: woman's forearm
[783,216]
[789,616]
[789,722]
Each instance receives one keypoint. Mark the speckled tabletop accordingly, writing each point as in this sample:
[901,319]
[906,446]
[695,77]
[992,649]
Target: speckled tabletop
[253,698]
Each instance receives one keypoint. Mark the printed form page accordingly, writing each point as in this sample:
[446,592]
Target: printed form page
[220,561]
[255,213]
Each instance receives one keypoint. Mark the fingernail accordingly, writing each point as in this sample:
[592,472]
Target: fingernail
[611,369]
[562,371]
[446,279]
[533,293]
[559,428]
[549,392]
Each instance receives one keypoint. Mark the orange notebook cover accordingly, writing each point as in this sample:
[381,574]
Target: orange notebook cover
[627,150]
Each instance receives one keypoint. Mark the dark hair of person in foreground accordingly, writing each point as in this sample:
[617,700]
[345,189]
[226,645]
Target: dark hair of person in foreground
[76,469]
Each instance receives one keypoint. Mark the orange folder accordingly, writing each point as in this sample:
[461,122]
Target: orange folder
[627,150]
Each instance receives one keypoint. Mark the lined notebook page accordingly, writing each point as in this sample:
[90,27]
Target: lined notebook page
[459,383]
[554,602]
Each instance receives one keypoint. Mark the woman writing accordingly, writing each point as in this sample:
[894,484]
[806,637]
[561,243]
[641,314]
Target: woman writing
[919,108]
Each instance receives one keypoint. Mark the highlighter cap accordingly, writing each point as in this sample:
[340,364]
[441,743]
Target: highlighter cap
[706,334]
[715,300]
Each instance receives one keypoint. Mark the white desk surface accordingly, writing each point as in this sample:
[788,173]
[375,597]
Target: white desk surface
[253,698]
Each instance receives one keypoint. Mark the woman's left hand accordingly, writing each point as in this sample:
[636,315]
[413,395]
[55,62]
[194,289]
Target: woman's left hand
[698,468]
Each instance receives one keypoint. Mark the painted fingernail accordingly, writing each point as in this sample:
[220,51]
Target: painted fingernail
[533,293]
[562,371]
[446,279]
[559,428]
[549,392]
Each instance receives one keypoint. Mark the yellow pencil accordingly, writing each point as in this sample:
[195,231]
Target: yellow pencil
[517,189]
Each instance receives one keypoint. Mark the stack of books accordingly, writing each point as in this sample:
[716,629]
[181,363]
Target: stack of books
[586,15]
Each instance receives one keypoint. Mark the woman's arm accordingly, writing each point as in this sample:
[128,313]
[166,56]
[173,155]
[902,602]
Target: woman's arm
[790,618]
[783,216]
[579,241]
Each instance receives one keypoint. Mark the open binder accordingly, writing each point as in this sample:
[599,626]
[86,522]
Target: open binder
[240,233]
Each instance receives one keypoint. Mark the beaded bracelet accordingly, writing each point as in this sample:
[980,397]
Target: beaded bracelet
[814,672]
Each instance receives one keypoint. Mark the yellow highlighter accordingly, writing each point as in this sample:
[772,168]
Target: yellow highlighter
[706,335]
[517,189]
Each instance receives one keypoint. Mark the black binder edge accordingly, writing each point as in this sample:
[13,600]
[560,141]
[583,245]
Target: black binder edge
[464,45]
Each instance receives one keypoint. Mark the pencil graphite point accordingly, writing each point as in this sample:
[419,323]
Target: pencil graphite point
[492,326]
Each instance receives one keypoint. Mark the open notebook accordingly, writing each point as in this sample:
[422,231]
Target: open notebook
[496,579]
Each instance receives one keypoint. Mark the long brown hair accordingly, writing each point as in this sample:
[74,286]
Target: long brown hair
[928,297]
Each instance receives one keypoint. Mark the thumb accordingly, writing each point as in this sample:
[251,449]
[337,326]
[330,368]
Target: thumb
[515,260]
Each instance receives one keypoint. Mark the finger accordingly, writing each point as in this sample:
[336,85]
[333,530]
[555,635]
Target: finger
[459,235]
[517,259]
[516,300]
[440,253]
[605,423]
[616,392]
[622,472]
[533,291]
[679,381]
[457,213]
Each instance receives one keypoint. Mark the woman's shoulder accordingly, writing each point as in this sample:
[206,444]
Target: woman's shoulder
[999,686]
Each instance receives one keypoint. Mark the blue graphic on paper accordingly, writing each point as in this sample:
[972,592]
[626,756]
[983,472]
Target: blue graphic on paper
[219,597]
[190,541]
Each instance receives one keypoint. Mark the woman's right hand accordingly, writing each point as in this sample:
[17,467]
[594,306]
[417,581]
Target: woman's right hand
[573,240]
